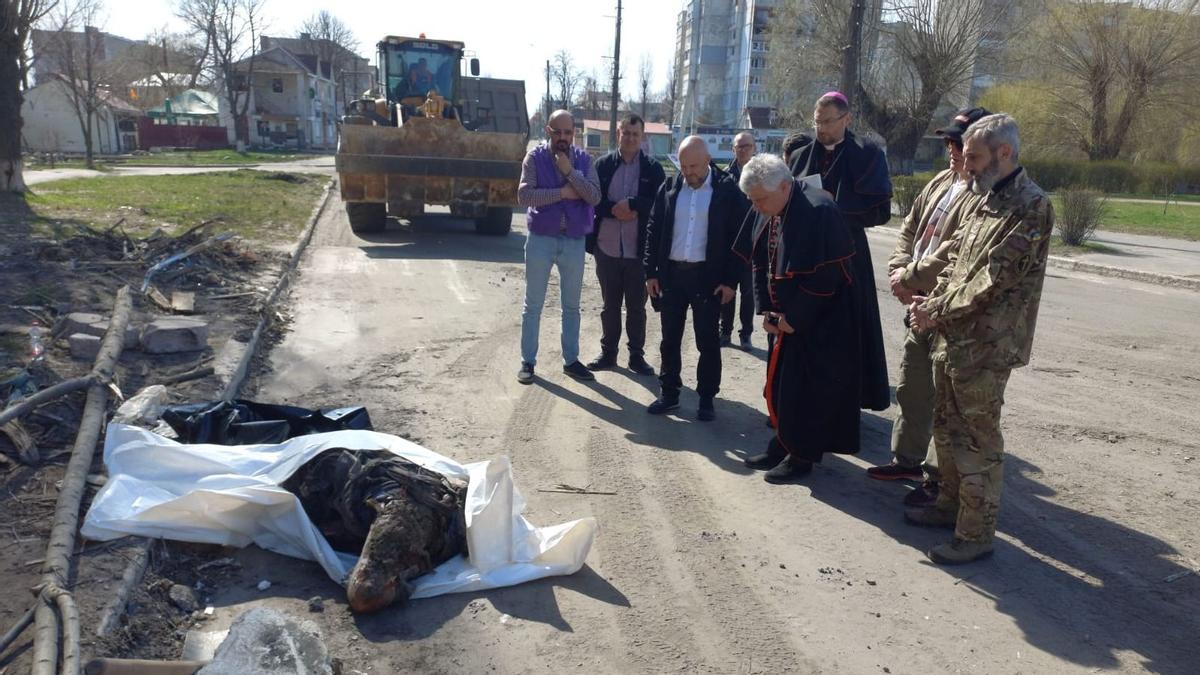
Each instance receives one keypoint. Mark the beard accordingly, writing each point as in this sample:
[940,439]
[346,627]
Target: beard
[984,181]
[562,146]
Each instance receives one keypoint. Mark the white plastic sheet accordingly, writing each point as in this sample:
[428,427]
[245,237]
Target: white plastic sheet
[231,495]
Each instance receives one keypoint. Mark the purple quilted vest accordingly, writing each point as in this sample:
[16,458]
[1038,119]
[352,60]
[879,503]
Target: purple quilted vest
[547,220]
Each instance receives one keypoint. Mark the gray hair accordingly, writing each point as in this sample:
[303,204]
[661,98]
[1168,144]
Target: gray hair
[765,171]
[996,130]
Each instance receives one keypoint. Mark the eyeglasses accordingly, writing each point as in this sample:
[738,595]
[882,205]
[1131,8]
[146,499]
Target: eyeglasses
[562,132]
[953,143]
[824,123]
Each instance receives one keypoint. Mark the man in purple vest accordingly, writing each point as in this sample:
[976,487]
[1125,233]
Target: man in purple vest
[560,188]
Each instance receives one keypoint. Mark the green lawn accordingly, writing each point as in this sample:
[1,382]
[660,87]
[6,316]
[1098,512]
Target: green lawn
[254,204]
[210,157]
[1181,221]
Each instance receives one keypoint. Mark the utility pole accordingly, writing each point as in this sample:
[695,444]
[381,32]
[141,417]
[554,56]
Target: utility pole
[548,103]
[853,51]
[616,81]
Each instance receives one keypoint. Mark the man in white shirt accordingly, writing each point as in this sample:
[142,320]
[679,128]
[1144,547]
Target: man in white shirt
[689,263]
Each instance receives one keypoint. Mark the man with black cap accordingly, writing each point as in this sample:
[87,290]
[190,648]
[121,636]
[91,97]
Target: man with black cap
[920,255]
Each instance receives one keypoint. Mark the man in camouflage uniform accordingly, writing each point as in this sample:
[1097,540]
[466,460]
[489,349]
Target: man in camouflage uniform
[984,309]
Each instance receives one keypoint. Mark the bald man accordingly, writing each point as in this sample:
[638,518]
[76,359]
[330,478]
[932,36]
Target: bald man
[560,188]
[689,263]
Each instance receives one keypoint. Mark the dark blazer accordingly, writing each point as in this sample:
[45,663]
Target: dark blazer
[865,196]
[650,177]
[725,213]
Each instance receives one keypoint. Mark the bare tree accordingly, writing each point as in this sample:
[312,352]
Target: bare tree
[78,50]
[1108,63]
[567,76]
[670,97]
[645,75]
[171,61]
[918,51]
[17,19]
[231,29]
[334,43]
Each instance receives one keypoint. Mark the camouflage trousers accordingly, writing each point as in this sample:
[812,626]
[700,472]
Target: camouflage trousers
[970,449]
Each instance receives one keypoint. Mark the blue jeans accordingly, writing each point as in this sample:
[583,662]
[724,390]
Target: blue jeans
[542,253]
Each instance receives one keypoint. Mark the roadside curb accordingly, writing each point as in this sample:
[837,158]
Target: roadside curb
[238,377]
[1063,262]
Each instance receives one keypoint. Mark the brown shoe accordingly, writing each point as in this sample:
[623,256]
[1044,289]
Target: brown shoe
[931,516]
[959,552]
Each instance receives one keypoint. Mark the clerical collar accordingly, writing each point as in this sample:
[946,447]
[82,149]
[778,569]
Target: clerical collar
[1004,182]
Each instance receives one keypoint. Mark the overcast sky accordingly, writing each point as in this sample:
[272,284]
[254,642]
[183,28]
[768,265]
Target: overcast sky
[511,39]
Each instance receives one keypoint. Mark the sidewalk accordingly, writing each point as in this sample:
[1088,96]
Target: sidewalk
[323,164]
[1159,260]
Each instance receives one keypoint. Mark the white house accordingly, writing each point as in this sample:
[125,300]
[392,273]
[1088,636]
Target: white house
[291,104]
[50,123]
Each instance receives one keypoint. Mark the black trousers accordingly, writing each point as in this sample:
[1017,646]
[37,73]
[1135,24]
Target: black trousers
[745,296]
[688,290]
[622,280]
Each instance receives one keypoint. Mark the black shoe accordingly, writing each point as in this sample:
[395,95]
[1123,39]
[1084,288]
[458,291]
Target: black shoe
[663,404]
[925,494]
[747,345]
[764,460]
[525,374]
[639,366]
[894,471]
[578,371]
[706,412]
[603,362]
[789,470]
[726,339]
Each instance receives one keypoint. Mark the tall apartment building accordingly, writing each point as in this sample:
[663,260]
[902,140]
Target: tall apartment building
[720,60]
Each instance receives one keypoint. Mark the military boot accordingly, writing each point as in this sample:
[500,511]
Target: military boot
[959,552]
[931,516]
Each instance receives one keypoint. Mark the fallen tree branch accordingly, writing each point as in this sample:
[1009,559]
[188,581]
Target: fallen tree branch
[18,628]
[45,396]
[134,571]
[57,568]
[188,376]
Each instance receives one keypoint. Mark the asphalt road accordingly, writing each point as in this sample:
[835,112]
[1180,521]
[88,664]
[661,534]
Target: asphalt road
[700,566]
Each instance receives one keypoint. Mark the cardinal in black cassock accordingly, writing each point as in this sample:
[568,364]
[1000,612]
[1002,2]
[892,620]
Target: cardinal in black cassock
[801,253]
[855,172]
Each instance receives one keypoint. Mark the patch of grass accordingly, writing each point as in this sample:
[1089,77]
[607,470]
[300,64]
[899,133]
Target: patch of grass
[1159,198]
[253,204]
[33,164]
[1180,221]
[1057,247]
[210,158]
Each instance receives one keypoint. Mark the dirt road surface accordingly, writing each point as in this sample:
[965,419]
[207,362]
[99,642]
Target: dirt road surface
[700,566]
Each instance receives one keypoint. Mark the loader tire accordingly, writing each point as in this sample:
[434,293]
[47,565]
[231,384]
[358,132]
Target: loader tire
[497,222]
[366,217]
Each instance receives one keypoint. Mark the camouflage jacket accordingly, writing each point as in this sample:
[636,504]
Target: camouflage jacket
[986,300]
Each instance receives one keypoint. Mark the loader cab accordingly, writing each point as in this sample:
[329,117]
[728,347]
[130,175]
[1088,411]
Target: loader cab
[411,68]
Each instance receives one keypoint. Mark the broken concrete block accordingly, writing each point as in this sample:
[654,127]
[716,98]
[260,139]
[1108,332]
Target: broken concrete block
[174,334]
[84,346]
[81,322]
[266,642]
[95,324]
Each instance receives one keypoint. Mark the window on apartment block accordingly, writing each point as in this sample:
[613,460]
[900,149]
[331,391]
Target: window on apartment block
[277,85]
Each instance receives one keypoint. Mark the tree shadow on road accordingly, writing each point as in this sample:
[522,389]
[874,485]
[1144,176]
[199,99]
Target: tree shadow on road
[1081,587]
[534,601]
[443,238]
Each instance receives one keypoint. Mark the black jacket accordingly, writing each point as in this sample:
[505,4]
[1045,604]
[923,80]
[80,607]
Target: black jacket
[859,181]
[725,213]
[650,177]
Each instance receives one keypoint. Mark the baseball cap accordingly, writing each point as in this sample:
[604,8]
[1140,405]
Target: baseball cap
[962,120]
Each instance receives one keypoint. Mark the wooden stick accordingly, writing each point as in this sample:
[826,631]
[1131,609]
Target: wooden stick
[134,571]
[18,628]
[44,396]
[56,570]
[188,376]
